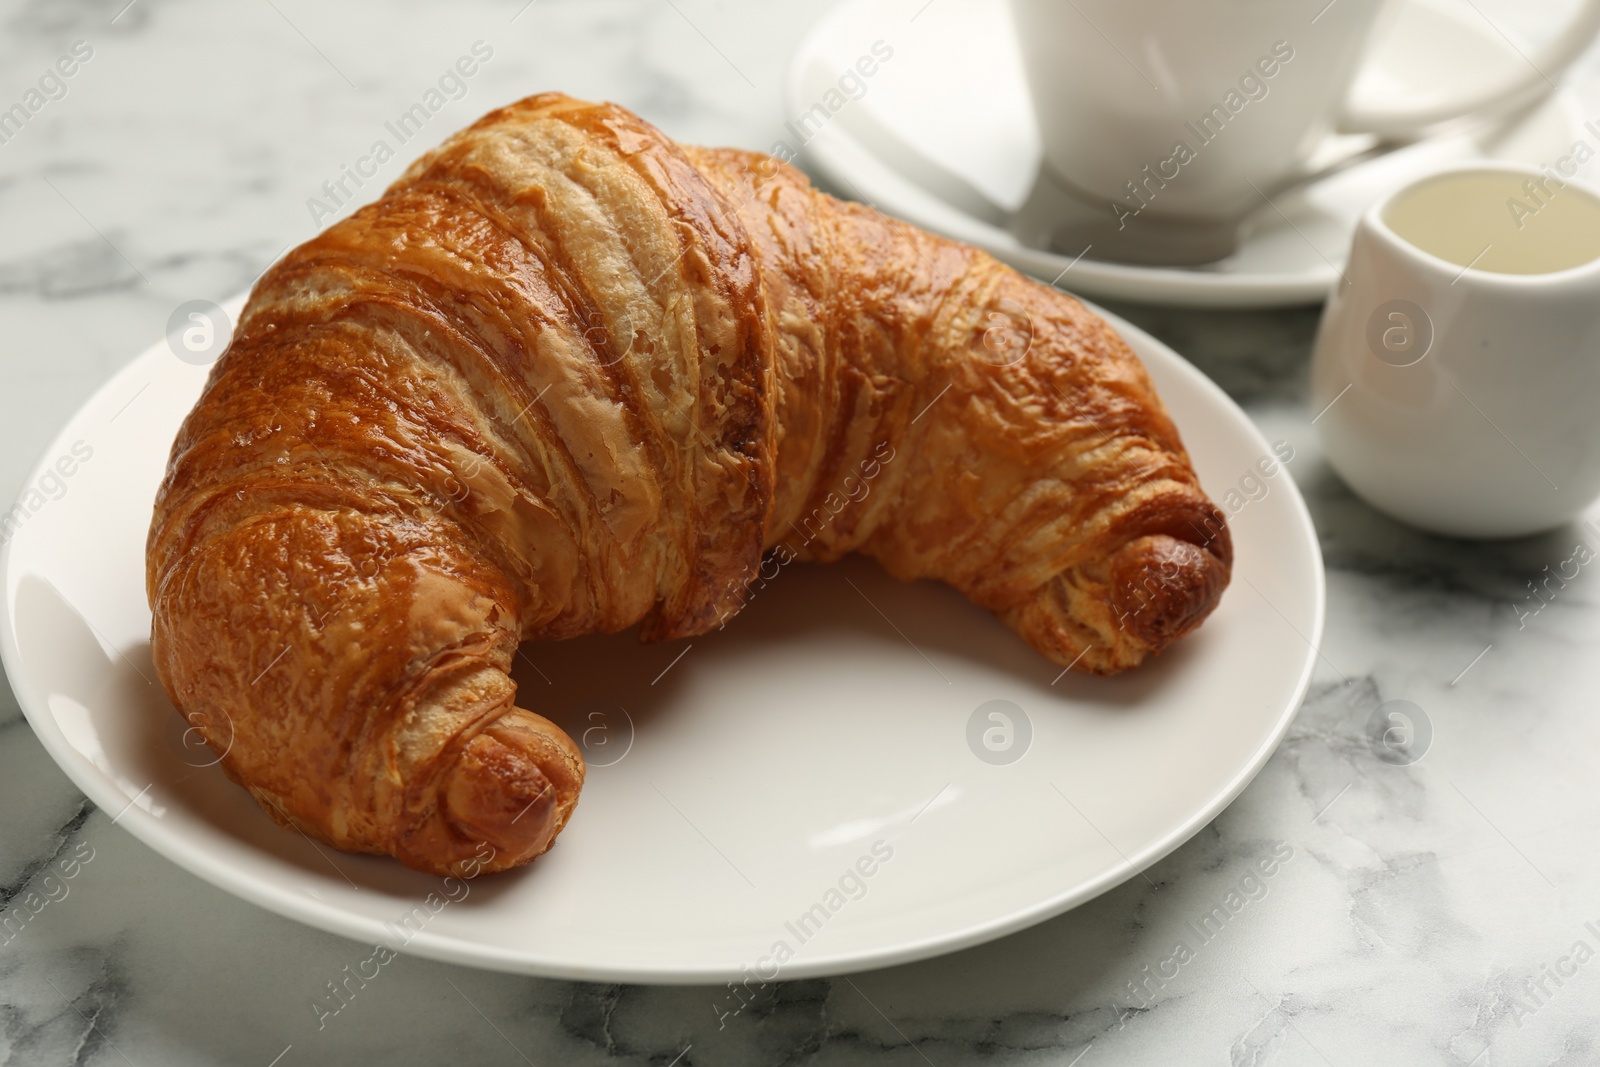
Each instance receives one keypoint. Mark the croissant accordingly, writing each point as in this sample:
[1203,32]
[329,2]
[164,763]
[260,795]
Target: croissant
[566,377]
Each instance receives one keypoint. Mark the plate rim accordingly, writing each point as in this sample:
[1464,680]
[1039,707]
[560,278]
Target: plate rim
[171,844]
[1157,286]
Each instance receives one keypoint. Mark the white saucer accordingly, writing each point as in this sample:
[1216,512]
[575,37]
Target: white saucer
[943,136]
[735,778]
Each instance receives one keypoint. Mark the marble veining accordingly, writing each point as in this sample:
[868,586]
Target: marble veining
[1422,913]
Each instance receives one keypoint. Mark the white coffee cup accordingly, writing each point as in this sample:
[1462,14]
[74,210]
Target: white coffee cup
[1456,376]
[1171,119]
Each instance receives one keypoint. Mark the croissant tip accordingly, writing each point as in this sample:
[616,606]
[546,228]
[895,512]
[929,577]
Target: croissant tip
[498,794]
[1163,587]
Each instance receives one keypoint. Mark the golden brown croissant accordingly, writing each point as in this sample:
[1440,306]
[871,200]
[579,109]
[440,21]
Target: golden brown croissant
[567,376]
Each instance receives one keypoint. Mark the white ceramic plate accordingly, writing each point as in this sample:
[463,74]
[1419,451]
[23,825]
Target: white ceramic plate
[943,135]
[753,767]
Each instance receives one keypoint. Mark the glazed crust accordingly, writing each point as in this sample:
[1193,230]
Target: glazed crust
[568,377]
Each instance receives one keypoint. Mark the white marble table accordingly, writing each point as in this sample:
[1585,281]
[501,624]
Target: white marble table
[1429,913]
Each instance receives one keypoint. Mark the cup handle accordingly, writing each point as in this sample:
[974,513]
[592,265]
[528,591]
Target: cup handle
[1543,68]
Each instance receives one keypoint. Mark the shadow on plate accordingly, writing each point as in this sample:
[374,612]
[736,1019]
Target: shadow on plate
[580,683]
